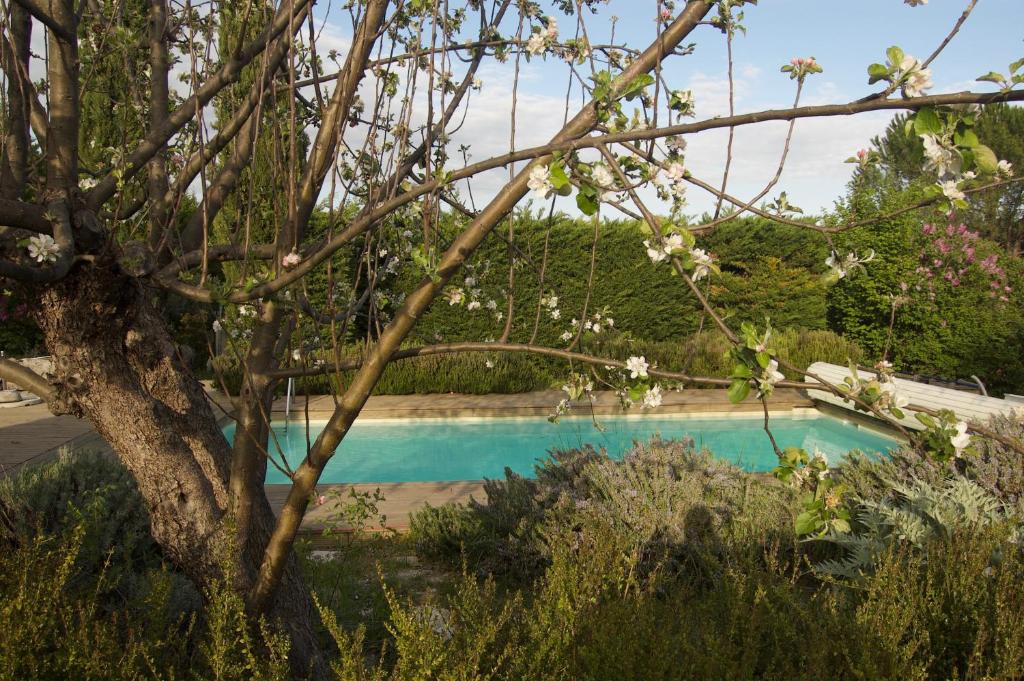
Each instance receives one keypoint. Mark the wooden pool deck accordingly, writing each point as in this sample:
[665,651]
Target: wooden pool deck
[30,435]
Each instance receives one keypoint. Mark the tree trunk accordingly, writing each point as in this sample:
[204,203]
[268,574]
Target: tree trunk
[115,361]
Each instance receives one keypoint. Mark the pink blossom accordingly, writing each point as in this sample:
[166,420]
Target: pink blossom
[291,260]
[928,229]
[321,500]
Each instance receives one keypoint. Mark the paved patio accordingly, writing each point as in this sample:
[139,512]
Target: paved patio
[30,435]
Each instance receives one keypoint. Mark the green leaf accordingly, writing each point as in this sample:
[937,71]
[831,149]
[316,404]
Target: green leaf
[985,159]
[806,523]
[926,420]
[840,525]
[586,204]
[763,358]
[895,55]
[927,122]
[967,138]
[738,391]
[1016,65]
[992,77]
[877,72]
[637,86]
[557,176]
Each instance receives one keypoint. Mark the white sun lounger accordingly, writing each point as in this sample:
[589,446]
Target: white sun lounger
[966,405]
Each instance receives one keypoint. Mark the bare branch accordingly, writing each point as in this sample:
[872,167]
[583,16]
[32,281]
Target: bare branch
[25,378]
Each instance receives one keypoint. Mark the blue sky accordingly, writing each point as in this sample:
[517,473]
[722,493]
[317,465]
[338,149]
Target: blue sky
[843,35]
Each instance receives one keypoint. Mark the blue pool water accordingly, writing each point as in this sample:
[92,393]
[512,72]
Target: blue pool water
[473,449]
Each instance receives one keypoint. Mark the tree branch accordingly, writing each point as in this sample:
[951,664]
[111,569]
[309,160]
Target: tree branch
[26,378]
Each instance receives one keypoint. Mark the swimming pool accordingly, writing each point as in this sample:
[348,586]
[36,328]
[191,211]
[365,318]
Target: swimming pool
[418,450]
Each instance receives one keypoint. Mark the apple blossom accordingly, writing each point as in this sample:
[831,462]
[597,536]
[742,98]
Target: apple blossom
[1004,167]
[43,248]
[602,176]
[962,439]
[539,181]
[455,296]
[637,367]
[536,44]
[950,190]
[291,260]
[652,398]
[655,253]
[939,158]
[701,263]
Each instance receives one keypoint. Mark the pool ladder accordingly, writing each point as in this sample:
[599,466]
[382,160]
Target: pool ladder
[289,391]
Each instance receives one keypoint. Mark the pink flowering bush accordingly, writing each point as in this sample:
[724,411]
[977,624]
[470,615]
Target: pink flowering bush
[950,254]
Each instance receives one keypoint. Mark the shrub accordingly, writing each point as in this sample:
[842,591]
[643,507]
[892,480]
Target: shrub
[663,501]
[702,355]
[93,491]
[995,468]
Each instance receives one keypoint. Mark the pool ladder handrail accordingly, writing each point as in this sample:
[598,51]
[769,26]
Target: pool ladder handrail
[289,391]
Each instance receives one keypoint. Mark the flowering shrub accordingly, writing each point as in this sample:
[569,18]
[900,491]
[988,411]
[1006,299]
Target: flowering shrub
[949,255]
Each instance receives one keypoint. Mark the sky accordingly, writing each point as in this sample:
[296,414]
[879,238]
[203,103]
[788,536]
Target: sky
[844,36]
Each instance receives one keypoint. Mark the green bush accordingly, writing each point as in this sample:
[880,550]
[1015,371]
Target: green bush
[948,331]
[667,501]
[93,491]
[995,467]
[700,355]
[645,301]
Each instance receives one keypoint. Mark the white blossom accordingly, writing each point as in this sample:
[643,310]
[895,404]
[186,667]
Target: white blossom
[567,336]
[652,398]
[1004,167]
[551,32]
[539,181]
[654,252]
[43,248]
[455,296]
[291,260]
[602,176]
[962,439]
[489,364]
[637,367]
[556,314]
[768,378]
[895,398]
[938,157]
[217,326]
[701,263]
[536,44]
[675,171]
[676,143]
[673,242]
[473,305]
[491,305]
[915,80]
[951,191]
